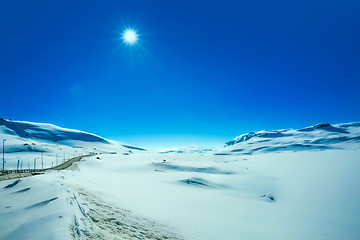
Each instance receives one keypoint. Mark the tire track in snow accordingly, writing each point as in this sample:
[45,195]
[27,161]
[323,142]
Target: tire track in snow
[107,222]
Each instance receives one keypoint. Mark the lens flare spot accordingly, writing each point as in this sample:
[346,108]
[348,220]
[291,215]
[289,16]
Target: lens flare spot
[130,36]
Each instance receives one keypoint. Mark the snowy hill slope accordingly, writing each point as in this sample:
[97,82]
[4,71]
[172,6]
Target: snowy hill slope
[46,131]
[318,137]
[50,144]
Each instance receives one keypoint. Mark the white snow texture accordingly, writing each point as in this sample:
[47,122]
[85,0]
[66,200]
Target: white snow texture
[283,184]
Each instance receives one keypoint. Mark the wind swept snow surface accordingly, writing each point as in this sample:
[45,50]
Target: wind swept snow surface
[45,208]
[299,184]
[33,208]
[288,195]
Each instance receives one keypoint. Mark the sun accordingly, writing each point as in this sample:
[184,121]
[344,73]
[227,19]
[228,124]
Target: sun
[130,36]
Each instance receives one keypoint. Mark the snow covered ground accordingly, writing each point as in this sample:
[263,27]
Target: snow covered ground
[286,184]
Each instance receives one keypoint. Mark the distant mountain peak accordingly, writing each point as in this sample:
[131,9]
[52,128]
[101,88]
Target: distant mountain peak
[250,135]
[325,126]
[317,137]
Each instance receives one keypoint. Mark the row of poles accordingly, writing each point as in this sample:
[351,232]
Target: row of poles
[19,167]
[4,154]
[20,163]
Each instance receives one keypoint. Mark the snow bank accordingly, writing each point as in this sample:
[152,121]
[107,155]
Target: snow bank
[31,207]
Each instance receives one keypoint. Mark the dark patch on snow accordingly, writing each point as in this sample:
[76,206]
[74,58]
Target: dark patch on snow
[12,184]
[292,147]
[259,148]
[135,148]
[346,125]
[269,197]
[300,145]
[41,204]
[335,140]
[195,181]
[237,150]
[22,190]
[222,154]
[316,126]
[324,126]
[210,170]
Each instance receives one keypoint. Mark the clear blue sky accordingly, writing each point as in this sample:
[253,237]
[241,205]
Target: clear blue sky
[201,69]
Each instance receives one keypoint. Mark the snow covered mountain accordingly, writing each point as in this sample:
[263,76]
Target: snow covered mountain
[52,143]
[318,137]
[189,149]
[44,131]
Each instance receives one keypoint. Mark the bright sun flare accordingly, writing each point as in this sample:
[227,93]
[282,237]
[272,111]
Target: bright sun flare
[129,36]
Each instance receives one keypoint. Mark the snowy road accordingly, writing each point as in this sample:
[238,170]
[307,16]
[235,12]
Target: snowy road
[13,174]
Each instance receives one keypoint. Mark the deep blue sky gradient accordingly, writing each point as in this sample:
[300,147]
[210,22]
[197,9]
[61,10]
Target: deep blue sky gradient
[202,69]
